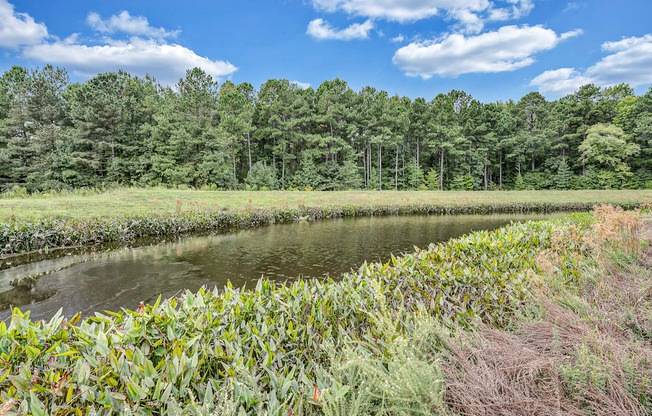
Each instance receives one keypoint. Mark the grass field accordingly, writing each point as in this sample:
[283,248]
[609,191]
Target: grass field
[133,201]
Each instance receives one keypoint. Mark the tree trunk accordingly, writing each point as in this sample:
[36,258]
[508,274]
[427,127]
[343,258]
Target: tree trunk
[500,171]
[380,167]
[249,147]
[283,171]
[441,169]
[403,163]
[532,162]
[396,171]
[417,162]
[470,159]
[364,167]
[485,175]
[235,180]
[369,162]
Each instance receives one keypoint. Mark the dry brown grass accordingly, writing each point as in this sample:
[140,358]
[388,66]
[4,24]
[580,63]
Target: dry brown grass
[585,350]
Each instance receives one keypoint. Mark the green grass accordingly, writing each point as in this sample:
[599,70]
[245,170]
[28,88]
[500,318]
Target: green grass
[157,200]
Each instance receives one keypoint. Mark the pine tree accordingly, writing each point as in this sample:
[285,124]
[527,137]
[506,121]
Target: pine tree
[563,176]
[432,179]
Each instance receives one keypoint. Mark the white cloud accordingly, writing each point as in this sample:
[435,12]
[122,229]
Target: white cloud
[18,28]
[126,23]
[167,62]
[560,81]
[398,39]
[320,29]
[507,49]
[398,10]
[470,14]
[302,85]
[573,5]
[630,61]
[514,10]
[571,34]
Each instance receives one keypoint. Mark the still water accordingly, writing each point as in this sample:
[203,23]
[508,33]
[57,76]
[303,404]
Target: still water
[281,252]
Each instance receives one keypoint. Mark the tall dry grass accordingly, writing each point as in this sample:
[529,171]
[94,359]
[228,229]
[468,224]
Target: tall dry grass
[583,347]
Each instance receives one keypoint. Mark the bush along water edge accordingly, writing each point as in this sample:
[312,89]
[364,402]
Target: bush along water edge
[279,348]
[25,235]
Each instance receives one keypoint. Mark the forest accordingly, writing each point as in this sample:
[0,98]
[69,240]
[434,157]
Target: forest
[120,129]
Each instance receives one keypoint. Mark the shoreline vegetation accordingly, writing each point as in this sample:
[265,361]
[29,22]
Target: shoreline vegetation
[20,235]
[541,317]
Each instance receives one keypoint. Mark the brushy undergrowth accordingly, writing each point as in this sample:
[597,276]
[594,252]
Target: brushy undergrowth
[309,347]
[21,235]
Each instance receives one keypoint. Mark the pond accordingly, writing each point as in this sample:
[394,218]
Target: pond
[282,252]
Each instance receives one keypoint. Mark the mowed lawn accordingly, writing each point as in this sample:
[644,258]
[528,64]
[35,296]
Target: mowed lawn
[157,200]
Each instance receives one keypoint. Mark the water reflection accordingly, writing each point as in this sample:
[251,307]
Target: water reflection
[280,252]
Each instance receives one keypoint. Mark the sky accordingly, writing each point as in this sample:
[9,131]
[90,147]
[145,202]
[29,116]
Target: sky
[492,49]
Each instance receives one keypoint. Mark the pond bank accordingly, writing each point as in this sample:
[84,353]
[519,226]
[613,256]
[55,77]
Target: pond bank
[23,236]
[314,347]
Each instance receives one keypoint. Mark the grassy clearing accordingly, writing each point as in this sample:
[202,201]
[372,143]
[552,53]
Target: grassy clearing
[548,317]
[159,200]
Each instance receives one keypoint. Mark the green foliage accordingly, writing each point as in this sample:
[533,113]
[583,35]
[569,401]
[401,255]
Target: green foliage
[308,175]
[607,146]
[262,176]
[519,184]
[350,176]
[462,183]
[563,176]
[535,180]
[283,348]
[119,128]
[432,180]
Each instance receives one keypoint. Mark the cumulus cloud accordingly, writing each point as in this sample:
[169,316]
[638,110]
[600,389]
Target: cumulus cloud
[18,29]
[507,49]
[167,62]
[126,23]
[560,81]
[146,51]
[320,29]
[629,61]
[302,85]
[470,14]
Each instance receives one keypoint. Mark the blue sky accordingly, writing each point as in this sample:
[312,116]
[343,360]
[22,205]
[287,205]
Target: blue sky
[492,49]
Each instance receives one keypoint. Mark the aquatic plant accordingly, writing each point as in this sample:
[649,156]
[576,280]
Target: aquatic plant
[20,235]
[277,348]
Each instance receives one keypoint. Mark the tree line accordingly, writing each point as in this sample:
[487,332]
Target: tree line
[117,128]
